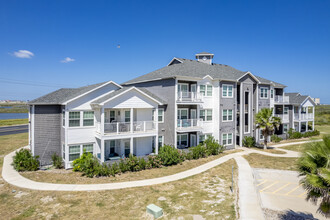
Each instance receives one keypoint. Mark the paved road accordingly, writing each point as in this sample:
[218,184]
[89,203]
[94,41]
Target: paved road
[14,129]
[280,190]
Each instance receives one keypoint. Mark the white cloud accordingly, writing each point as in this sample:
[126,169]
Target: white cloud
[67,60]
[23,54]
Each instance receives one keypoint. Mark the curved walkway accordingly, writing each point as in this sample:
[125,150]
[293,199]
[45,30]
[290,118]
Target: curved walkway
[10,175]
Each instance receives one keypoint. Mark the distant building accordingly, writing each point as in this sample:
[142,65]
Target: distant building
[317,101]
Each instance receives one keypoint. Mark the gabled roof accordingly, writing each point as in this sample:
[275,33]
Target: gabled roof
[126,89]
[63,95]
[193,68]
[297,99]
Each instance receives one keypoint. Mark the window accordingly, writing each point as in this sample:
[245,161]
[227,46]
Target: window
[285,128]
[182,140]
[272,93]
[127,116]
[227,115]
[112,147]
[209,90]
[63,117]
[160,141]
[74,119]
[227,91]
[203,137]
[206,114]
[183,87]
[227,139]
[63,151]
[261,137]
[286,110]
[74,152]
[88,118]
[112,116]
[264,92]
[160,115]
[182,113]
[202,89]
[88,148]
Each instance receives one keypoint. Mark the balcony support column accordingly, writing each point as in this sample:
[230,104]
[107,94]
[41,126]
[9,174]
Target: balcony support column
[131,145]
[131,120]
[102,120]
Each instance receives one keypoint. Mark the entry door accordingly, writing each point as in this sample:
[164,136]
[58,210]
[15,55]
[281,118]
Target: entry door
[127,148]
[193,113]
[193,140]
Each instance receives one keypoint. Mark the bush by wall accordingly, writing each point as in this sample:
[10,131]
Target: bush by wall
[57,161]
[24,161]
[212,146]
[198,152]
[169,155]
[274,138]
[249,141]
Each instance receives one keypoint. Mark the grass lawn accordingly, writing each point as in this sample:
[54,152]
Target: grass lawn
[207,194]
[9,122]
[324,129]
[269,150]
[280,163]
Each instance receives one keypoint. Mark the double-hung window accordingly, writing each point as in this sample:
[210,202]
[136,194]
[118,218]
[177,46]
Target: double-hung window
[206,114]
[285,128]
[209,89]
[74,119]
[88,148]
[160,115]
[227,139]
[227,115]
[286,110]
[63,117]
[182,140]
[202,90]
[127,116]
[88,118]
[203,137]
[160,141]
[264,92]
[272,93]
[74,152]
[112,147]
[112,116]
[227,91]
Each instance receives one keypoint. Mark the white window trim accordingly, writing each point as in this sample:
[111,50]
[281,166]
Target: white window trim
[80,121]
[63,118]
[264,93]
[185,134]
[179,86]
[205,136]
[232,91]
[199,89]
[162,137]
[232,115]
[163,115]
[271,94]
[206,86]
[89,126]
[81,149]
[260,134]
[287,129]
[205,110]
[232,137]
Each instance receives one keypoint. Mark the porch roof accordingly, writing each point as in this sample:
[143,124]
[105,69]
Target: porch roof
[120,92]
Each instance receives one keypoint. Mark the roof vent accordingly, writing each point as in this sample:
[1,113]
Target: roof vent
[205,57]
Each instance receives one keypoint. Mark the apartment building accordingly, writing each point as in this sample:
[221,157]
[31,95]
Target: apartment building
[179,104]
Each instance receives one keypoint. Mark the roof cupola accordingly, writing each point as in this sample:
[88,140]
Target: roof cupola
[205,57]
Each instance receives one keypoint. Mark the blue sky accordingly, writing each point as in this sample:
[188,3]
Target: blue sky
[285,41]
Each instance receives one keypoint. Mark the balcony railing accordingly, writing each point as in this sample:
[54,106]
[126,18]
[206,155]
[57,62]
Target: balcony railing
[189,123]
[281,99]
[125,127]
[284,117]
[189,97]
[304,116]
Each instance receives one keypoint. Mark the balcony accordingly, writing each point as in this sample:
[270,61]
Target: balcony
[303,116]
[189,124]
[281,99]
[189,97]
[127,127]
[284,117]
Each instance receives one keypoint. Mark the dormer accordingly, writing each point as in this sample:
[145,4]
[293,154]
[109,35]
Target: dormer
[205,57]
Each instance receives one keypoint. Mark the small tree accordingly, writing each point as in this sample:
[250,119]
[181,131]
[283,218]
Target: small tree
[314,166]
[266,122]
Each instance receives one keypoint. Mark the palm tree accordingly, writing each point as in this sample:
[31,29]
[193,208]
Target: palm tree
[314,167]
[266,122]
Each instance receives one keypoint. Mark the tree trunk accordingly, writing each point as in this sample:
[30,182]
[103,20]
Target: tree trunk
[265,142]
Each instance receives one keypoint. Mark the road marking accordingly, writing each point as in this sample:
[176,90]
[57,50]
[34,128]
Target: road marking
[269,186]
[294,189]
[302,194]
[262,182]
[281,188]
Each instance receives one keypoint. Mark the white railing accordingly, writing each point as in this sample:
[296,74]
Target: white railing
[125,127]
[189,123]
[284,117]
[303,116]
[282,99]
[190,97]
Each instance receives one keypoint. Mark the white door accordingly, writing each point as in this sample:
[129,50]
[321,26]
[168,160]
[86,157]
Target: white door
[193,113]
[193,140]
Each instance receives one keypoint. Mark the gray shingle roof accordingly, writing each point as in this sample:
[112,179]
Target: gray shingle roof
[62,95]
[295,98]
[120,91]
[193,68]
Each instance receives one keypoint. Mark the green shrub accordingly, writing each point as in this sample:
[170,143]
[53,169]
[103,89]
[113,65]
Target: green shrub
[212,146]
[311,133]
[169,155]
[188,155]
[115,169]
[90,166]
[132,163]
[57,161]
[274,138]
[153,162]
[123,166]
[24,161]
[142,163]
[249,141]
[198,152]
[294,134]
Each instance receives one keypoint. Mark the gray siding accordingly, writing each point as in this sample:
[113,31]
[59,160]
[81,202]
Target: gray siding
[47,132]
[164,89]
[228,103]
